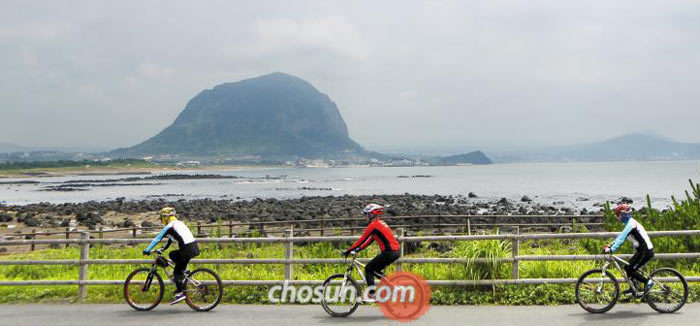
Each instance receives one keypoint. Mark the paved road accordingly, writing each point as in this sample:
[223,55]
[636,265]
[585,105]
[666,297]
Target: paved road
[229,315]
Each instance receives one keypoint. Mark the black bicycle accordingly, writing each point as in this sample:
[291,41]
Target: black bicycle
[203,287]
[597,290]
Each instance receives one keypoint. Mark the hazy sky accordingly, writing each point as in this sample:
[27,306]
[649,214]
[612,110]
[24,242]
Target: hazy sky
[404,73]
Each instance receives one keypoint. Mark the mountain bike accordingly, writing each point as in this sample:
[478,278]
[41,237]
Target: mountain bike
[203,287]
[597,290]
[347,296]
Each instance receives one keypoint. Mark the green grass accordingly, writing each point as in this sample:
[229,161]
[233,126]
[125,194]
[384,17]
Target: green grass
[536,294]
[20,168]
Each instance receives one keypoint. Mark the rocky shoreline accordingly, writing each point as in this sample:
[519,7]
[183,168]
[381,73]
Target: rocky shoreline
[90,214]
[151,180]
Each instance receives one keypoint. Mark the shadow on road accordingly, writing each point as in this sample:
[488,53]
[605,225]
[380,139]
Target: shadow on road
[613,315]
[350,320]
[158,312]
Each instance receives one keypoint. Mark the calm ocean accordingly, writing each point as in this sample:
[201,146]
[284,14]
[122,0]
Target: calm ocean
[544,182]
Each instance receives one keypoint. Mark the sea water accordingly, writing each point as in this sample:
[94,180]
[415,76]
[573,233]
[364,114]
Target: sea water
[575,184]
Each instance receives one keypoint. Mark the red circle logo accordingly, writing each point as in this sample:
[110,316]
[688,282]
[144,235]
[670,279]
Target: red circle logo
[403,296]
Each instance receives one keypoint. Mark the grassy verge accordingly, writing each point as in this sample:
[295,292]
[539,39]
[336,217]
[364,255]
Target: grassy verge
[535,294]
[66,167]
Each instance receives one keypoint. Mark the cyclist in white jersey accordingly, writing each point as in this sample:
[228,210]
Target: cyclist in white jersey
[644,249]
[176,231]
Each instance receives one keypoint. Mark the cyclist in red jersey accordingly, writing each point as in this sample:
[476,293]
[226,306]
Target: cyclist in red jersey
[378,231]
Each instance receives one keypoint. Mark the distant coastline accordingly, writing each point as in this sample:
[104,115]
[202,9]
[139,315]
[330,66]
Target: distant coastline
[121,170]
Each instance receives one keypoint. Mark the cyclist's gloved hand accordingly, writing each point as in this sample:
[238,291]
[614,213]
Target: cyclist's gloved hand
[146,252]
[607,250]
[350,252]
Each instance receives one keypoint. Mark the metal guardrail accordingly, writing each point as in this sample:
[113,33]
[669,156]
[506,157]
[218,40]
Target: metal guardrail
[289,240]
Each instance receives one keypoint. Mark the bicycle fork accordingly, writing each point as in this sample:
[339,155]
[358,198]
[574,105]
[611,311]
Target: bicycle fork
[603,275]
[149,280]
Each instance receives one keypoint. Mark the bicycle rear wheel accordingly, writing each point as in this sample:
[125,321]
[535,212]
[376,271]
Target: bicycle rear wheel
[340,295]
[669,292]
[597,292]
[203,289]
[143,290]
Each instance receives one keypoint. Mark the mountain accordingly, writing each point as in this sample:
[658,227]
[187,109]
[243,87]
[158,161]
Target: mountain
[476,157]
[272,116]
[629,147]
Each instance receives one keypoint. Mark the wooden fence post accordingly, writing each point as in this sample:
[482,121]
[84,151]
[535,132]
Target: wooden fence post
[516,253]
[67,235]
[133,232]
[323,224]
[230,230]
[288,254]
[199,229]
[83,268]
[402,233]
[469,226]
[33,238]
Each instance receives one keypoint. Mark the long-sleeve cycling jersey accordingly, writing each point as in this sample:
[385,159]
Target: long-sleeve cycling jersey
[175,231]
[636,234]
[379,231]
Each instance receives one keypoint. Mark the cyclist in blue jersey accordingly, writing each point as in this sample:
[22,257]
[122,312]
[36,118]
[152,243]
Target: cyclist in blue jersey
[176,231]
[644,249]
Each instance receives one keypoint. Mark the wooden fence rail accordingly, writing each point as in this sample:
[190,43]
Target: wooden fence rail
[289,240]
[321,226]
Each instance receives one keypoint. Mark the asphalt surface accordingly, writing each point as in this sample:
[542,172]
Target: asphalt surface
[288,315]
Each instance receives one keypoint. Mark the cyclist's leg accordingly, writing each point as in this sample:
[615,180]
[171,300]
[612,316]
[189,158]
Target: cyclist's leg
[372,267]
[181,260]
[639,259]
[378,264]
[391,257]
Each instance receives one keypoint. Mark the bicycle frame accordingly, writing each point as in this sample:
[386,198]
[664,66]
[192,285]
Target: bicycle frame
[359,266]
[616,261]
[168,273]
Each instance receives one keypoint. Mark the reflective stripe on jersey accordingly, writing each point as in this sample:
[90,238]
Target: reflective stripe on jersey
[636,234]
[378,231]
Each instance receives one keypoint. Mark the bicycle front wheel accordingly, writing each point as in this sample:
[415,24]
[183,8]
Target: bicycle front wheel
[669,292]
[143,289]
[597,292]
[340,295]
[203,289]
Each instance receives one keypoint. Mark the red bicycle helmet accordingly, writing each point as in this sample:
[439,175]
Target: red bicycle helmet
[373,210]
[622,208]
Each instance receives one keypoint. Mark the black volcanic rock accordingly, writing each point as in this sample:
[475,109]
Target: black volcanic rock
[275,115]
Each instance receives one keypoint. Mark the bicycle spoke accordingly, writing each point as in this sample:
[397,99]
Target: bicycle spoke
[340,296]
[141,295]
[203,290]
[669,295]
[596,294]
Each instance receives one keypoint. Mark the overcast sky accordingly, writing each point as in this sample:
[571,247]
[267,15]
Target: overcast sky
[452,74]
